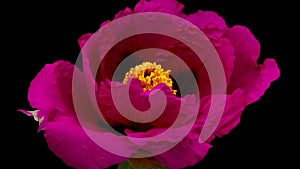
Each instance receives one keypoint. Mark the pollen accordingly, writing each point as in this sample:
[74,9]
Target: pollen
[150,75]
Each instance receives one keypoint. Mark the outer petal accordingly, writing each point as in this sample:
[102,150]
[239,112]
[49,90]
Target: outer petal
[67,140]
[234,107]
[51,89]
[187,153]
[82,40]
[188,150]
[209,22]
[213,26]
[226,54]
[252,78]
[126,11]
[165,6]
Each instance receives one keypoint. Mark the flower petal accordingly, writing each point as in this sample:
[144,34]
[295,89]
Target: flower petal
[235,104]
[213,27]
[82,40]
[125,12]
[209,22]
[107,108]
[51,89]
[165,6]
[140,100]
[67,140]
[189,151]
[226,54]
[252,78]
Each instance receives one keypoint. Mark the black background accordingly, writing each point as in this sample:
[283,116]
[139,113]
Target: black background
[268,134]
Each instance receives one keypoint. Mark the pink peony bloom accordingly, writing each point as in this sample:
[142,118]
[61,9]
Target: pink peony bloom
[51,93]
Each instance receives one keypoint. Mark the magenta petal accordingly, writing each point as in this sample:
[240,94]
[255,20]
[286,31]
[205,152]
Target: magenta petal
[106,105]
[165,6]
[82,40]
[213,26]
[226,54]
[51,89]
[235,104]
[209,22]
[104,23]
[268,72]
[187,153]
[188,150]
[125,12]
[246,47]
[252,78]
[67,140]
[140,100]
[203,19]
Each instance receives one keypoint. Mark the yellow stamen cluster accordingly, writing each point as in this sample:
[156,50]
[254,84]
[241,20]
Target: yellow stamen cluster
[150,75]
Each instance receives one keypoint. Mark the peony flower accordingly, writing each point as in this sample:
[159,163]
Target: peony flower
[51,93]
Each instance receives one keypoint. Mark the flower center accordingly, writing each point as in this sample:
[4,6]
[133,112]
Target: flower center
[150,75]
